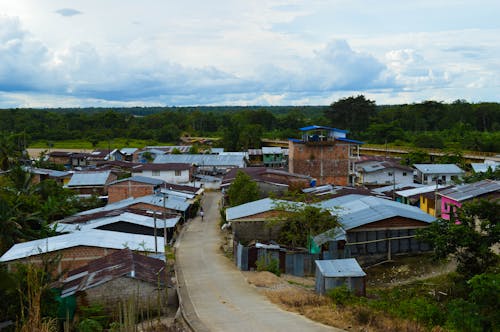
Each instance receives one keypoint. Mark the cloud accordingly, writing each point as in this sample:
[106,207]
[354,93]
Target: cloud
[68,12]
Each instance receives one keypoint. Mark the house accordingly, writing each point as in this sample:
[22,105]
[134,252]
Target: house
[125,220]
[453,198]
[483,167]
[273,157]
[128,153]
[135,186]
[443,173]
[91,182]
[76,249]
[79,159]
[115,155]
[424,197]
[159,202]
[210,164]
[372,228]
[382,172]
[339,272]
[147,155]
[41,174]
[117,277]
[268,179]
[325,154]
[98,155]
[167,172]
[60,158]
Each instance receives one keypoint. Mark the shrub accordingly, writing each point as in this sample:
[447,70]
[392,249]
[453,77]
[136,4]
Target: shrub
[267,263]
[89,325]
[340,295]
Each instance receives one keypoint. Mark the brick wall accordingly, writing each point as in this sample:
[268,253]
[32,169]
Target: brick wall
[326,163]
[123,190]
[144,294]
[245,231]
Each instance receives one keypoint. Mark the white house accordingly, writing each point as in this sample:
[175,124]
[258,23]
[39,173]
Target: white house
[383,172]
[444,173]
[168,172]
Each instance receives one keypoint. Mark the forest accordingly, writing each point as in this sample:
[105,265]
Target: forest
[430,124]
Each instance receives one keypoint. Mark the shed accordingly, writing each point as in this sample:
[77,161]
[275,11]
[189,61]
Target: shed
[338,272]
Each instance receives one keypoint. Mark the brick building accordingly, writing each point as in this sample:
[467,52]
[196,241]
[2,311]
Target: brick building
[325,154]
[135,186]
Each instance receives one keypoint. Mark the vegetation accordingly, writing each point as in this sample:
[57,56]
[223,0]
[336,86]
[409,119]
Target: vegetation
[242,190]
[430,124]
[268,263]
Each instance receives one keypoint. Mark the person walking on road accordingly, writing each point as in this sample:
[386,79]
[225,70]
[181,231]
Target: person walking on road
[201,213]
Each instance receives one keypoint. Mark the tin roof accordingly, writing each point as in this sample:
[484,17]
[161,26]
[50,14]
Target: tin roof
[127,217]
[172,202]
[253,208]
[128,151]
[203,159]
[438,168]
[90,238]
[123,263]
[141,179]
[49,172]
[468,191]
[358,210]
[333,268]
[419,190]
[271,150]
[162,167]
[89,179]
[483,167]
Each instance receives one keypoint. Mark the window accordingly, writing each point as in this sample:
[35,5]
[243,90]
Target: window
[404,173]
[389,173]
[178,173]
[443,178]
[156,173]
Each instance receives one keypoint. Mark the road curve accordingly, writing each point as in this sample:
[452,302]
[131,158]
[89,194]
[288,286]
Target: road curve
[215,294]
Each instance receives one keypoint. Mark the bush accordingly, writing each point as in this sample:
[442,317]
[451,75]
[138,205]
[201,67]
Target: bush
[267,263]
[341,295]
[89,325]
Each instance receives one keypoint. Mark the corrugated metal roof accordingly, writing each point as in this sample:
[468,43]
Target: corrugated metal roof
[203,159]
[438,168]
[483,167]
[91,238]
[128,217]
[419,190]
[119,264]
[347,267]
[172,202]
[45,171]
[141,179]
[89,179]
[357,210]
[249,209]
[271,150]
[128,151]
[384,189]
[471,190]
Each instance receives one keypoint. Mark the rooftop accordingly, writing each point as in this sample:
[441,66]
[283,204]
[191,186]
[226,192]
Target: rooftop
[438,168]
[471,190]
[347,267]
[89,179]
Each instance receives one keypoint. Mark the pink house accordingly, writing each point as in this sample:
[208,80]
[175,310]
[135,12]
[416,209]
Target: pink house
[453,198]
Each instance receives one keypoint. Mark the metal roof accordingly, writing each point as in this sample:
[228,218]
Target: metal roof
[419,190]
[128,217]
[333,268]
[381,190]
[471,190]
[141,179]
[253,208]
[90,238]
[438,168]
[46,171]
[483,167]
[123,263]
[357,210]
[172,202]
[128,151]
[203,159]
[271,150]
[89,179]
[315,127]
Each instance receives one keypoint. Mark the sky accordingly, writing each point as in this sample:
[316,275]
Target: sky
[113,53]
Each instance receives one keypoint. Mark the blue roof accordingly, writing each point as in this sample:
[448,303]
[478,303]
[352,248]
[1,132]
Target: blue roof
[314,127]
[348,140]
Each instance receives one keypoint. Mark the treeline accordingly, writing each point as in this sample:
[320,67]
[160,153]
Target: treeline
[430,124]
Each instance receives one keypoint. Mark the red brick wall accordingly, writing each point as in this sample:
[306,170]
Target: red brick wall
[123,190]
[326,163]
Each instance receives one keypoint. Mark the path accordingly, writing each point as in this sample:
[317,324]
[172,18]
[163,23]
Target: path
[214,292]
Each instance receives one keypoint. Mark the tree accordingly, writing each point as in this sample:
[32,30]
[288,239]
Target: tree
[300,222]
[242,190]
[351,113]
[468,236]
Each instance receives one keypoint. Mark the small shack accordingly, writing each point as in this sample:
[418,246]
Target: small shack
[338,272]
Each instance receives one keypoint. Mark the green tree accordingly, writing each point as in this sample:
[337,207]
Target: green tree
[299,222]
[352,113]
[468,236]
[242,190]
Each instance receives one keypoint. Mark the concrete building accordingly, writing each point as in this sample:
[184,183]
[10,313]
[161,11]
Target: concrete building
[168,172]
[382,172]
[442,173]
[325,154]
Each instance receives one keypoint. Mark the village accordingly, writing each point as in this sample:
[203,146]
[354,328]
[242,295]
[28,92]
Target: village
[124,255]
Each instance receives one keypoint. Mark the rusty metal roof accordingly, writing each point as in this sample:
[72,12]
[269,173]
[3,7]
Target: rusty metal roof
[123,263]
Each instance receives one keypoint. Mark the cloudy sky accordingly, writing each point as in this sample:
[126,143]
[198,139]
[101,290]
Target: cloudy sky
[255,52]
